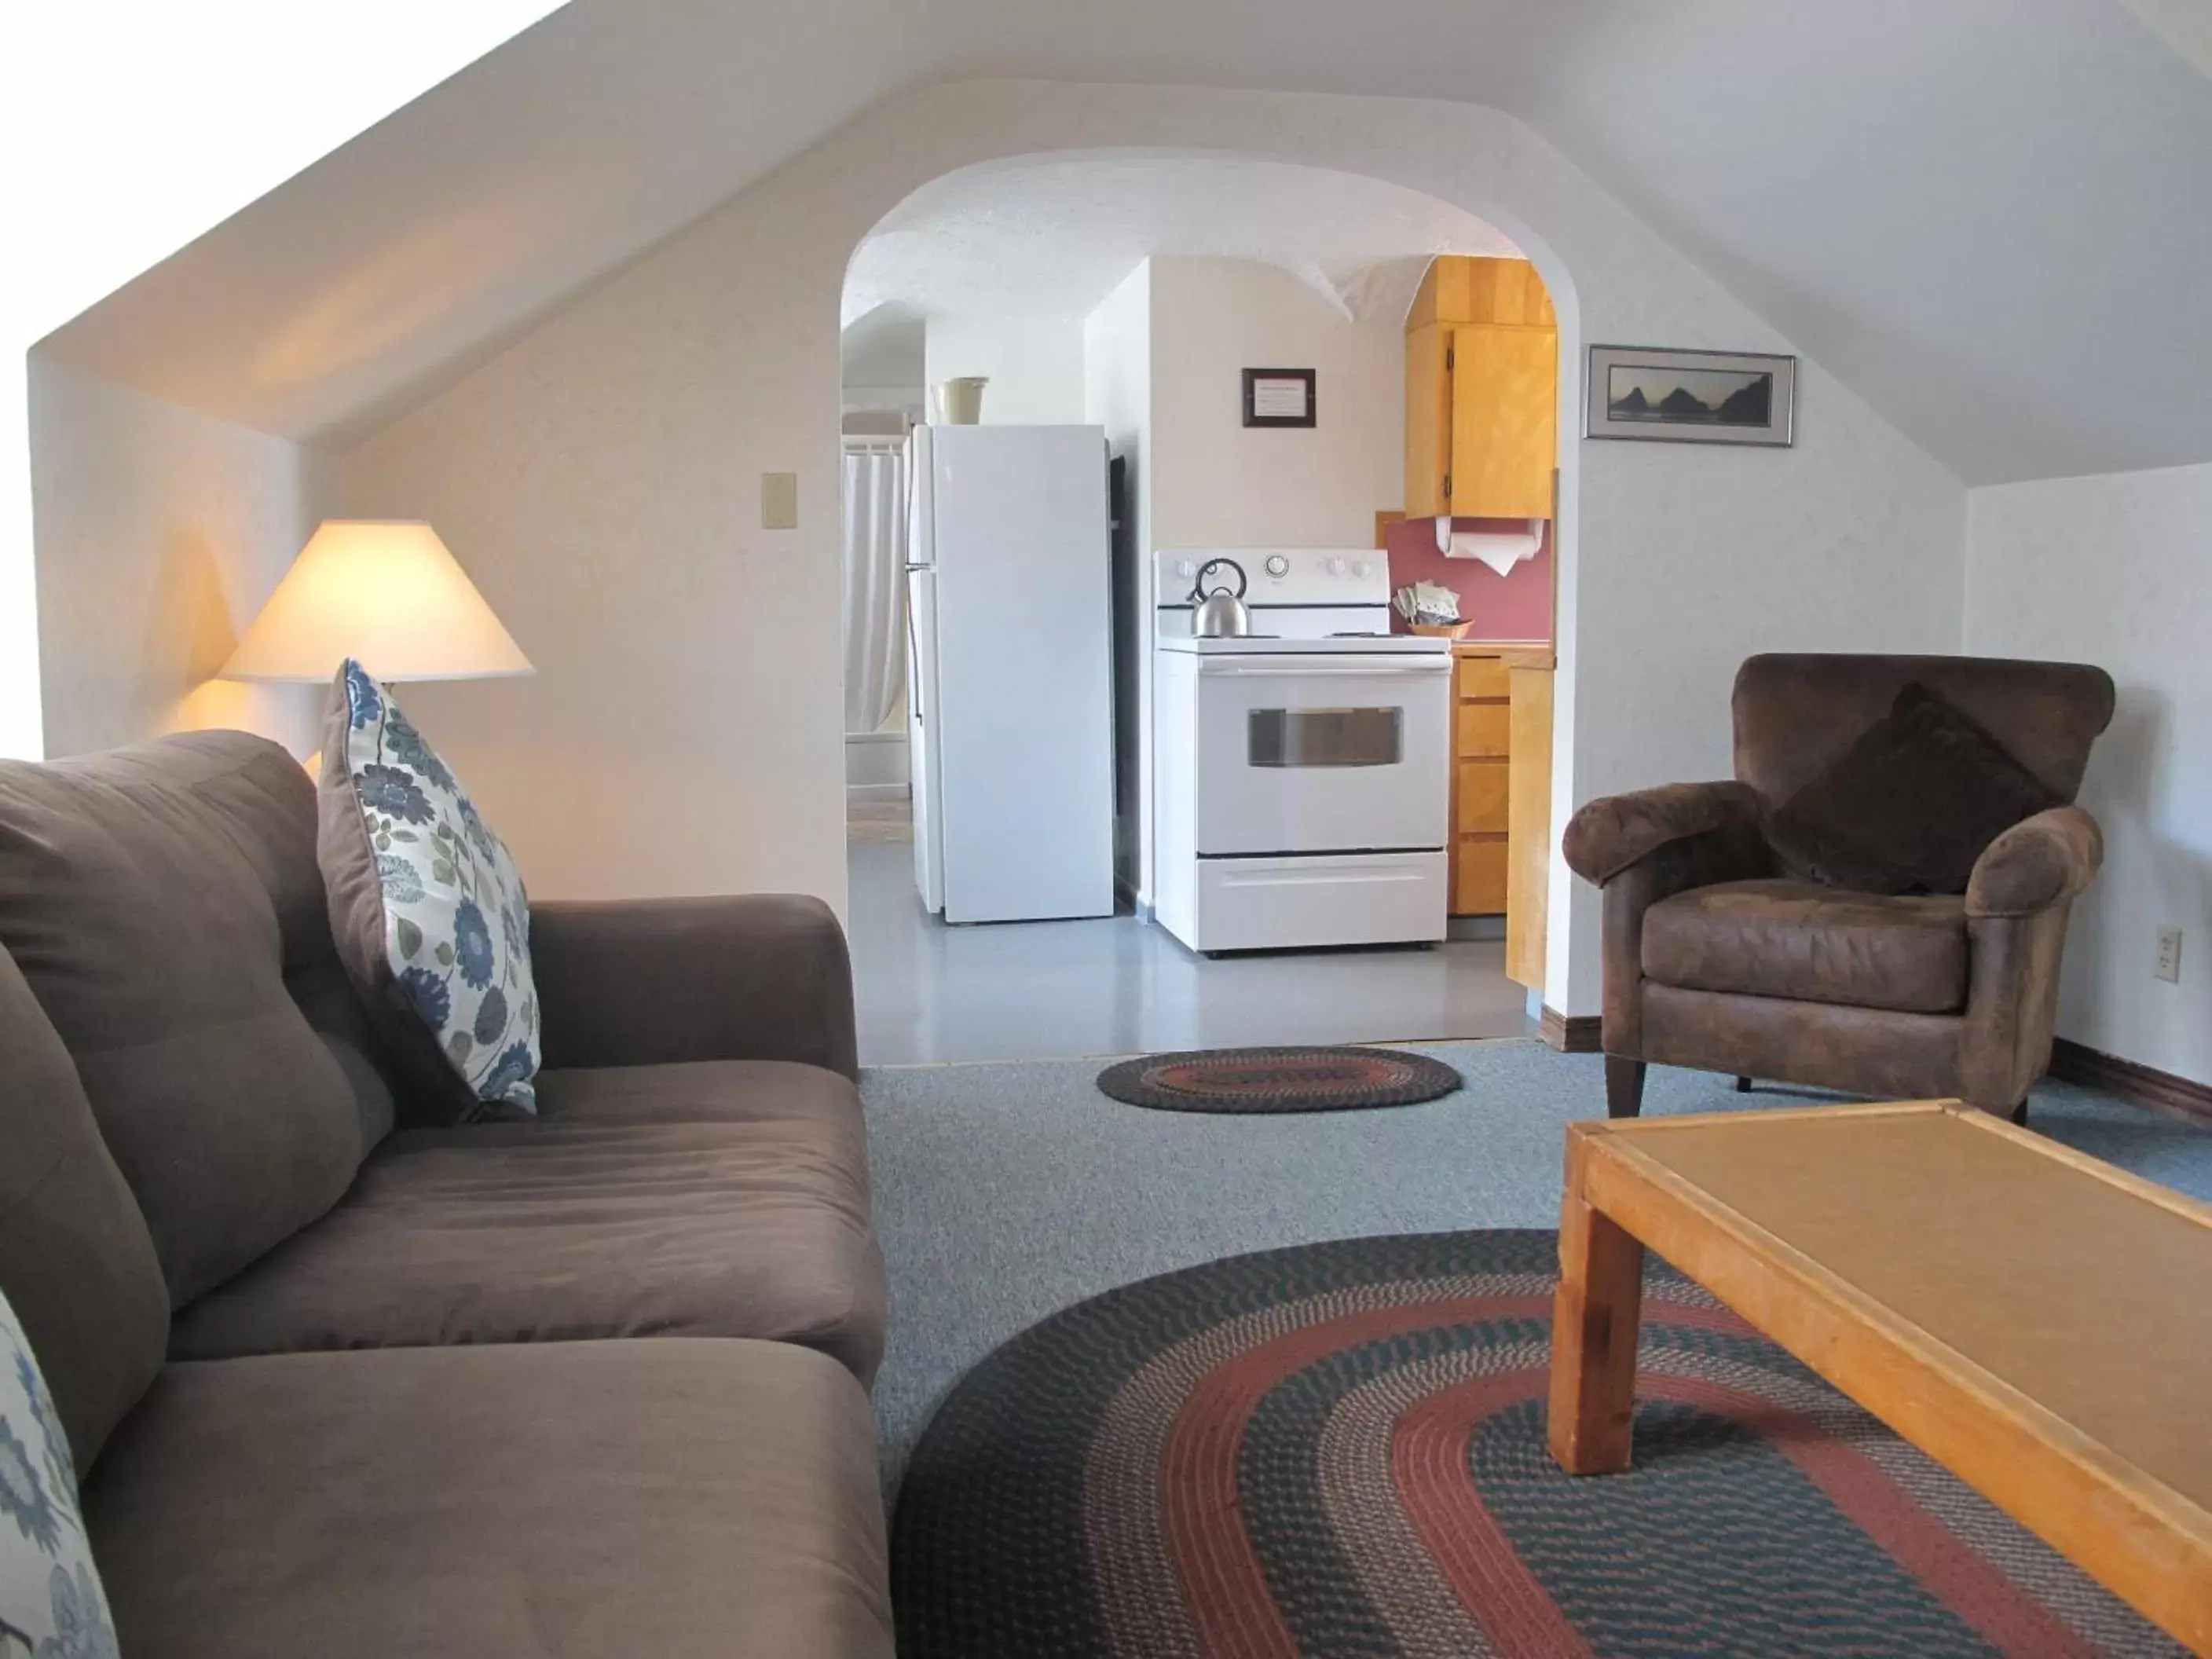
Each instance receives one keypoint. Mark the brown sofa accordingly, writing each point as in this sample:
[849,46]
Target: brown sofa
[1715,960]
[338,1385]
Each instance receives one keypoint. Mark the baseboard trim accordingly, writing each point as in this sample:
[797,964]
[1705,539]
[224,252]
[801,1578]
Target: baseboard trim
[2075,1062]
[1572,1034]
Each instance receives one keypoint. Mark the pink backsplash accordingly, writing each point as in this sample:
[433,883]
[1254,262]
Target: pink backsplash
[1514,607]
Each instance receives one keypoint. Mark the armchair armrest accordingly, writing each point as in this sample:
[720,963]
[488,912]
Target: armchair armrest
[2039,862]
[649,982]
[1608,836]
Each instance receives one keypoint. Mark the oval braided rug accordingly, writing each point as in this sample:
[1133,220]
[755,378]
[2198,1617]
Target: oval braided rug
[1298,1080]
[1339,1450]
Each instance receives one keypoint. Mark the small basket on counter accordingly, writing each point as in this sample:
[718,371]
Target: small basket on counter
[1430,609]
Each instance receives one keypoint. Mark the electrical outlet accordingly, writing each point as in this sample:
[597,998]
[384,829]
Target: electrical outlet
[2168,965]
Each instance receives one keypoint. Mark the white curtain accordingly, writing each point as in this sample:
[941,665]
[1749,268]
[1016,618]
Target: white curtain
[875,584]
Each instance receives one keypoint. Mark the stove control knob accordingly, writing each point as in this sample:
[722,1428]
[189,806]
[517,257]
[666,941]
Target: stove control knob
[1187,569]
[1336,567]
[1359,566]
[1278,565]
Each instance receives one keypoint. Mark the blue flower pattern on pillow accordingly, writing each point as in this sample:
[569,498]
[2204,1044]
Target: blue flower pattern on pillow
[401,884]
[406,746]
[364,702]
[51,1605]
[445,878]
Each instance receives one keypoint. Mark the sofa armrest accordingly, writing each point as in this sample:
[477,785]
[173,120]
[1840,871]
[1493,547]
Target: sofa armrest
[2040,861]
[1607,835]
[649,982]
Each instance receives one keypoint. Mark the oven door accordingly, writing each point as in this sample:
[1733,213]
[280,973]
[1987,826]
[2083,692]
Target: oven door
[1322,753]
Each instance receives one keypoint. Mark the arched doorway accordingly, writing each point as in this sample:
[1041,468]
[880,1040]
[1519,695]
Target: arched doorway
[1125,290]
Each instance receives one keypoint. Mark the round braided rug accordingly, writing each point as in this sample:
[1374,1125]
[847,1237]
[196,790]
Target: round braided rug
[1302,1080]
[1339,1450]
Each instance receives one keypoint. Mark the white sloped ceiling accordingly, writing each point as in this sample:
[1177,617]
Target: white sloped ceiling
[1993,218]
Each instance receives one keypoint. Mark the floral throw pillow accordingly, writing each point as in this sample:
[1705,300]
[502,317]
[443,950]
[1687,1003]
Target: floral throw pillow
[428,908]
[51,1605]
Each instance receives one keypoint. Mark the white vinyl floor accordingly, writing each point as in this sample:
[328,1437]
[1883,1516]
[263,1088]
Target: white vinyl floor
[1037,990]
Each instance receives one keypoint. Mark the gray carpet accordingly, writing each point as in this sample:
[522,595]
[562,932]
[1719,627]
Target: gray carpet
[1005,1191]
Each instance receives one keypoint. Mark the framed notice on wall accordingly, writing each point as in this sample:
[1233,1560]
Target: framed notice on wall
[1279,397]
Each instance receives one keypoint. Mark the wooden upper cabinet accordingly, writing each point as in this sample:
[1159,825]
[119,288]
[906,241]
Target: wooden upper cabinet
[1505,430]
[1482,364]
[1428,420]
[1458,289]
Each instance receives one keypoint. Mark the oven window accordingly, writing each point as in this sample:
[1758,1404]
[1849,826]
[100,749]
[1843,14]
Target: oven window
[1326,736]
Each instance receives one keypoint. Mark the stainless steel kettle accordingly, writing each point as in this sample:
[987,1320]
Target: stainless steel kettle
[1221,614]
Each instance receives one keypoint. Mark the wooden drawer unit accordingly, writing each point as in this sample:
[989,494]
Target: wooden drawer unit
[1481,679]
[1479,866]
[1481,730]
[1482,802]
[1482,795]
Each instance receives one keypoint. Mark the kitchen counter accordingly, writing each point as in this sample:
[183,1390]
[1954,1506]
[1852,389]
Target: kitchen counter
[1515,653]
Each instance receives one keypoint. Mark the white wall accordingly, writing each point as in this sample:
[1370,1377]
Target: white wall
[1117,394]
[209,106]
[1034,365]
[884,349]
[1220,484]
[600,480]
[160,531]
[600,477]
[2116,570]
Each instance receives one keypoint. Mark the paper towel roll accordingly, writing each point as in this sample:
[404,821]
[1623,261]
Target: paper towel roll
[1500,549]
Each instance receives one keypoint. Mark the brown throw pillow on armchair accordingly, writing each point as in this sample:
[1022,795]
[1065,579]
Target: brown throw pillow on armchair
[1909,805]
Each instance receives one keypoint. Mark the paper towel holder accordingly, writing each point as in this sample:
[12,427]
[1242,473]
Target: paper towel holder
[1444,531]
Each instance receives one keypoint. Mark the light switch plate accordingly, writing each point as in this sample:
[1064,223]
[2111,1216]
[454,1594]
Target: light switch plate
[779,500]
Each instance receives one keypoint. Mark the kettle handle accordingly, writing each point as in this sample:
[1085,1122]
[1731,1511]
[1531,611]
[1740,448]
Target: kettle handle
[1198,588]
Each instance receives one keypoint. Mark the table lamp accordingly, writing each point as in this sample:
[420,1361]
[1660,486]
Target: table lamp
[386,593]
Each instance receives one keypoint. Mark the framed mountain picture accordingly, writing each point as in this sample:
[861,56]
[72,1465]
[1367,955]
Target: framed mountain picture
[1690,397]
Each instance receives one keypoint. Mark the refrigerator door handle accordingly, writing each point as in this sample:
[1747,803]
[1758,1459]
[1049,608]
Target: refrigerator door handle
[913,657]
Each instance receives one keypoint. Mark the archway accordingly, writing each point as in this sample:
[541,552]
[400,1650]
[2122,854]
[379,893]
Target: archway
[1014,259]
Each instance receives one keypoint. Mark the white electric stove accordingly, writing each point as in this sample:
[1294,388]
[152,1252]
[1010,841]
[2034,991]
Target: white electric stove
[1302,774]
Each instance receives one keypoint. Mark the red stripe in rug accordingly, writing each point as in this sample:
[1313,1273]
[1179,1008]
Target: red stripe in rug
[1960,1575]
[1222,1585]
[1428,1462]
[1429,1459]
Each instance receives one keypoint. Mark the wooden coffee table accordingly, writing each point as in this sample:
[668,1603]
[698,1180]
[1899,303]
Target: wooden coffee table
[2037,1321]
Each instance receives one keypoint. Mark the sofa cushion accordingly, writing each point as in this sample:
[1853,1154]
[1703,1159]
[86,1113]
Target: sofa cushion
[75,1259]
[163,903]
[699,1091]
[682,1500]
[51,1599]
[428,908]
[1808,942]
[1909,805]
[754,1225]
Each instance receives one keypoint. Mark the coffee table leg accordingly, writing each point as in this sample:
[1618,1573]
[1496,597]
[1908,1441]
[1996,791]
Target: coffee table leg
[1593,1333]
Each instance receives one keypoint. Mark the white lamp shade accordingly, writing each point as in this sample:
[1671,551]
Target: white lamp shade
[386,593]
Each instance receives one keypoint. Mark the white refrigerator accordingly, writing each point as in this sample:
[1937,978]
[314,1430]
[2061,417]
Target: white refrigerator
[1010,666]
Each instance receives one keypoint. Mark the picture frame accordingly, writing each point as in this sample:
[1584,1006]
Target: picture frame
[1654,394]
[1280,397]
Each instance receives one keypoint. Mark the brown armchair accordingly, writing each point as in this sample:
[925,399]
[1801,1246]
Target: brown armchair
[1714,959]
